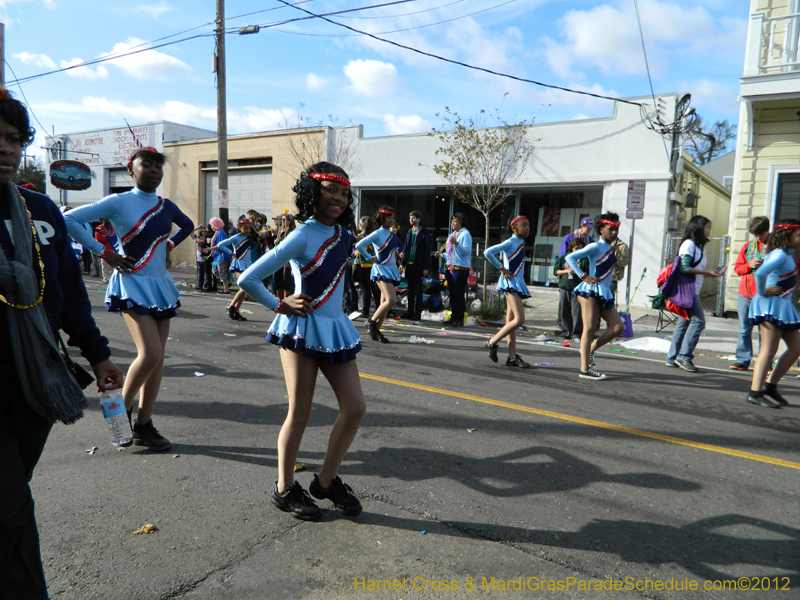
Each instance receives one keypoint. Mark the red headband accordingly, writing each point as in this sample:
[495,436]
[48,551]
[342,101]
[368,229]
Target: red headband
[515,220]
[148,149]
[330,177]
[244,222]
[614,224]
[777,227]
[386,212]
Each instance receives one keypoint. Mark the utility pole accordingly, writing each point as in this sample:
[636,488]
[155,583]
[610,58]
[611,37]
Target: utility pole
[3,54]
[222,116]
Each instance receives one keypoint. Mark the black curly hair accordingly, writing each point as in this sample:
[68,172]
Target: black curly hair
[379,218]
[779,238]
[307,191]
[696,230]
[13,112]
[609,216]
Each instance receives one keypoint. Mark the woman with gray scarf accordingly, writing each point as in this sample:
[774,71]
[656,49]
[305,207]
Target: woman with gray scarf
[41,291]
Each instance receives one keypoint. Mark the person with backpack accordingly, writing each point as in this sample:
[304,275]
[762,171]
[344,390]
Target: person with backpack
[692,266]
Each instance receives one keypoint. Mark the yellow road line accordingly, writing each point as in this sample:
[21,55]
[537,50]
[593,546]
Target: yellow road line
[590,422]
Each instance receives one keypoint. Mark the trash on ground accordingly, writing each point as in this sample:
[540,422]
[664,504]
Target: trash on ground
[149,528]
[565,344]
[415,339]
[542,338]
[92,450]
[197,374]
[247,312]
[648,344]
[544,364]
[471,430]
[300,467]
[229,334]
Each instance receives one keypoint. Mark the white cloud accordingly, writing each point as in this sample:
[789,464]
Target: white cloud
[710,95]
[372,78]
[252,118]
[315,82]
[150,65]
[39,60]
[580,117]
[402,124]
[84,72]
[48,3]
[607,37]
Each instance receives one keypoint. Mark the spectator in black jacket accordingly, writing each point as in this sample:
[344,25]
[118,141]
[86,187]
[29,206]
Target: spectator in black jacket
[41,291]
[416,258]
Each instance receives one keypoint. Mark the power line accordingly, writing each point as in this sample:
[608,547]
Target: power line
[463,64]
[477,12]
[417,12]
[28,104]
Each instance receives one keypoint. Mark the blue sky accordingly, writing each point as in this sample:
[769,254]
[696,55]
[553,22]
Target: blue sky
[319,71]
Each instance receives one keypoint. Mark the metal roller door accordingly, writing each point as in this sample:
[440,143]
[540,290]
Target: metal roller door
[247,189]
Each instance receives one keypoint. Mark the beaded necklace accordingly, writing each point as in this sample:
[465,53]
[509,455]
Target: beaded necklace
[3,299]
[754,252]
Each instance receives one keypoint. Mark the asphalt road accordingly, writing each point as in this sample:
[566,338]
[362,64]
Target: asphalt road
[477,472]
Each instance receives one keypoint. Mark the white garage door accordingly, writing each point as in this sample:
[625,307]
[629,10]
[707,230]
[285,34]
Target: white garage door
[247,189]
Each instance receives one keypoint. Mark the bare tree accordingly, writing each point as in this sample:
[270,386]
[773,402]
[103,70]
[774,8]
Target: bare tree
[479,162]
[33,171]
[311,141]
[705,143]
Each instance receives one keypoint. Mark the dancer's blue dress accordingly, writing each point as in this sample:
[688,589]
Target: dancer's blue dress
[513,250]
[318,257]
[143,222]
[243,250]
[778,269]
[386,246]
[601,265]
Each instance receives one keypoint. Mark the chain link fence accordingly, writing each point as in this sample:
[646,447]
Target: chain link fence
[712,294]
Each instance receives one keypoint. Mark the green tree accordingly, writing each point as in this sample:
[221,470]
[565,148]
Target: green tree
[32,170]
[705,143]
[479,162]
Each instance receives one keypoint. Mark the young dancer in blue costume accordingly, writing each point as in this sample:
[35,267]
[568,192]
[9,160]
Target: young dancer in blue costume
[512,284]
[384,268]
[314,335]
[141,287]
[773,311]
[594,293]
[244,253]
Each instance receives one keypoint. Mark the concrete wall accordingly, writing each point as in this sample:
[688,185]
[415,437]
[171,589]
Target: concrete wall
[184,181]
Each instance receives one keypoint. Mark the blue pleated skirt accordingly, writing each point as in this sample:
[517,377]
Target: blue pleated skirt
[774,309]
[595,290]
[388,272]
[147,295]
[513,284]
[330,339]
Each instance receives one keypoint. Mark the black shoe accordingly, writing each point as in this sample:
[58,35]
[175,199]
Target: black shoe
[232,313]
[686,365]
[761,399]
[456,324]
[133,435]
[239,316]
[296,502]
[517,362]
[145,434]
[339,493]
[592,374]
[770,389]
[447,321]
[492,348]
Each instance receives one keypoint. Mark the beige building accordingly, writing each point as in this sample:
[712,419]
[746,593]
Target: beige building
[767,174]
[704,196]
[262,168]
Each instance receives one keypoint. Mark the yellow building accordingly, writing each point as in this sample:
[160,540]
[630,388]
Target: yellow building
[707,197]
[767,174]
[262,168]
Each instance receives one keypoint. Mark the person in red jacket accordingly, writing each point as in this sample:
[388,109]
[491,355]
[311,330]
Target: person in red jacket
[749,259]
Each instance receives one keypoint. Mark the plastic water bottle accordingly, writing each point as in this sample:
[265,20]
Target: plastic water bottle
[119,429]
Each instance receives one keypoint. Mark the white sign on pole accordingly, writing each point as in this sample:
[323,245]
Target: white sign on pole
[636,196]
[223,198]
[635,214]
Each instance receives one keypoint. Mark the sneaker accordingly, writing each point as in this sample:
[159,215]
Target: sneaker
[760,399]
[232,313]
[686,365]
[456,324]
[492,348]
[592,365]
[671,363]
[239,316]
[296,502]
[592,374]
[517,362]
[354,315]
[341,494]
[739,367]
[145,434]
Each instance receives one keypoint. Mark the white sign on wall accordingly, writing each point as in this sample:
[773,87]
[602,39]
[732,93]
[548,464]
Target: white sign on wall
[223,198]
[636,196]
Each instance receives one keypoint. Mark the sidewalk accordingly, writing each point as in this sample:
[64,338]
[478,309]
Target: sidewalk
[718,339]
